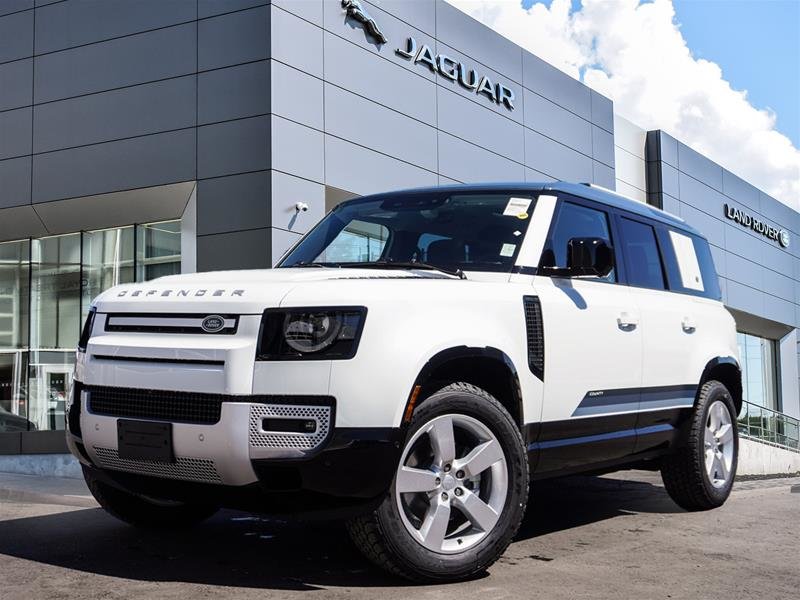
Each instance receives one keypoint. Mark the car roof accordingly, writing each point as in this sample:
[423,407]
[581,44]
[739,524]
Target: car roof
[582,190]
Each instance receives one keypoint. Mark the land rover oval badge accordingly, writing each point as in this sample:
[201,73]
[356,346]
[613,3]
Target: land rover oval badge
[213,324]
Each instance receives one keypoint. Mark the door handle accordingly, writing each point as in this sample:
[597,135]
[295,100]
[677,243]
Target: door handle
[688,325]
[627,321]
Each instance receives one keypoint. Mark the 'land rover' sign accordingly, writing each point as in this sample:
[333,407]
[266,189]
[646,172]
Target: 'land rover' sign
[745,220]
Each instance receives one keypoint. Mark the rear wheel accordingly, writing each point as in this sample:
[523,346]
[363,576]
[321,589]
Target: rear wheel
[699,476]
[146,512]
[459,492]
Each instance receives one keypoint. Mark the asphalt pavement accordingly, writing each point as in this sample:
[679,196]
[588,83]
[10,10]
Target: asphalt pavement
[617,536]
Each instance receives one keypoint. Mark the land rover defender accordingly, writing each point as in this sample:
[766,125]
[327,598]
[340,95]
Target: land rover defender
[412,364]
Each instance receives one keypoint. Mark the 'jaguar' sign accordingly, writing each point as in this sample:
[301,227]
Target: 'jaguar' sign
[442,64]
[457,71]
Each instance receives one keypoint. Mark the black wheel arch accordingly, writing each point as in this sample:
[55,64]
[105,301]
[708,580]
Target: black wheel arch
[727,371]
[487,367]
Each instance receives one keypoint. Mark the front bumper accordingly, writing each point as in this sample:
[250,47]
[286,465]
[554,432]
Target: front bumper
[235,458]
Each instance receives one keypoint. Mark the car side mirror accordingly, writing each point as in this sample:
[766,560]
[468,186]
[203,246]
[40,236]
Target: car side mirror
[589,256]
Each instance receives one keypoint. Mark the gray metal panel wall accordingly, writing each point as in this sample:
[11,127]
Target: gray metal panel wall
[267,103]
[101,97]
[359,117]
[758,275]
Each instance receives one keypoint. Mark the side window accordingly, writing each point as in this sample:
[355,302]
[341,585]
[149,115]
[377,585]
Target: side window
[686,258]
[690,266]
[641,255]
[575,221]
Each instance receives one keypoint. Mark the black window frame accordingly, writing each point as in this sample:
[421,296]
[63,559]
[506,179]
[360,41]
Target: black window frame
[666,252]
[654,225]
[610,212]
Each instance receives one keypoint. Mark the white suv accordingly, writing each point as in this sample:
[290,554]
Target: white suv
[412,364]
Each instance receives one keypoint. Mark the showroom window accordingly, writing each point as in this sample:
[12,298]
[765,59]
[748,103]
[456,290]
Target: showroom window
[46,288]
[759,363]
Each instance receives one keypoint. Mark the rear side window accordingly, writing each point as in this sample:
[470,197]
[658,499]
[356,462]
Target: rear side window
[686,259]
[690,266]
[642,257]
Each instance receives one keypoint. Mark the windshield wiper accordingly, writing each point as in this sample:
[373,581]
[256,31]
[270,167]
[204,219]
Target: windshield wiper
[303,263]
[396,264]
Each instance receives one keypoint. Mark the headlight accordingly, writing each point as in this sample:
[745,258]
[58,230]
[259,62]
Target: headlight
[310,333]
[86,332]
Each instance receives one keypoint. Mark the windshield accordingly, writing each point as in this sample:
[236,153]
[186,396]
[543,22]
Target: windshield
[469,232]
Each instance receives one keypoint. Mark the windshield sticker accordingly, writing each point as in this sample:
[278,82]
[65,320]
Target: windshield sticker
[517,207]
[508,249]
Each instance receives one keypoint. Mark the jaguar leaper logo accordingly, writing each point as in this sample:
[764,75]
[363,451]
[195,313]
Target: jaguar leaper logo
[357,12]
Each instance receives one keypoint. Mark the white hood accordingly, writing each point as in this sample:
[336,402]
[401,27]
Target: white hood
[239,292]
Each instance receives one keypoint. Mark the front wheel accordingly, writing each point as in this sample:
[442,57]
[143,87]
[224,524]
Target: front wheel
[699,476]
[459,492]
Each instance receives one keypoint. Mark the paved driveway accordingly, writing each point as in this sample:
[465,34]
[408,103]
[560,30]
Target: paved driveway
[615,537]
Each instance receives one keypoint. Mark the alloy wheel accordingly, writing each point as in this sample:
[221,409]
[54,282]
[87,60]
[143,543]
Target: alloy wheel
[451,484]
[719,444]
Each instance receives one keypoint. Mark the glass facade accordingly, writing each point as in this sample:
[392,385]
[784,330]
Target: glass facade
[46,288]
[759,363]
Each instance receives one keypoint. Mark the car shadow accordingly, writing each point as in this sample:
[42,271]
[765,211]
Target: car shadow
[569,502]
[241,550]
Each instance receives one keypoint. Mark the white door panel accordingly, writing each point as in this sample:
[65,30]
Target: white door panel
[593,344]
[670,330]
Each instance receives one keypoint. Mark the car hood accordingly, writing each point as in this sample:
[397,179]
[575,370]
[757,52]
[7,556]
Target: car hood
[239,292]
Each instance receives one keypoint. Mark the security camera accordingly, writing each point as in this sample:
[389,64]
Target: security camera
[301,207]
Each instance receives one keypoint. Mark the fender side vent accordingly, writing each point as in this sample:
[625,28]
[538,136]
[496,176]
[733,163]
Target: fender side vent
[535,331]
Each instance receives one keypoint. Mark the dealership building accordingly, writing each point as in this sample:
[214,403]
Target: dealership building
[139,139]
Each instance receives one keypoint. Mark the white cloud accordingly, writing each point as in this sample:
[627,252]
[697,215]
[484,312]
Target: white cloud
[635,53]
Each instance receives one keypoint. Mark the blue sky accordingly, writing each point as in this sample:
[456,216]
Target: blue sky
[757,45]
[755,42]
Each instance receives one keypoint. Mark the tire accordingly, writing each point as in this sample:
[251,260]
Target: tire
[700,475]
[401,537]
[143,512]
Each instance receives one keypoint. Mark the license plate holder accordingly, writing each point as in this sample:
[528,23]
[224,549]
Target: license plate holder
[145,440]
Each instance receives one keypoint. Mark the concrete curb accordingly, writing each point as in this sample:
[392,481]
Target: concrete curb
[33,489]
[767,476]
[30,497]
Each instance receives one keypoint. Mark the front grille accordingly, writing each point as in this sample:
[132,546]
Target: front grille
[170,323]
[535,332]
[176,407]
[187,469]
[281,440]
